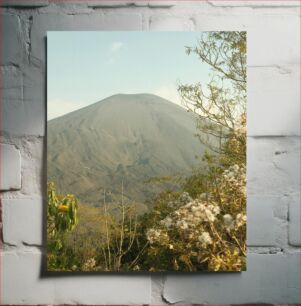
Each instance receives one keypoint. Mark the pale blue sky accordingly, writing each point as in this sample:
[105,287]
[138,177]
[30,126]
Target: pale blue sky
[86,67]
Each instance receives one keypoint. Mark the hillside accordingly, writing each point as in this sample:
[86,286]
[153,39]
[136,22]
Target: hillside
[129,138]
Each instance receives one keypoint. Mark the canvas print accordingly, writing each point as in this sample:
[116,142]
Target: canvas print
[146,151]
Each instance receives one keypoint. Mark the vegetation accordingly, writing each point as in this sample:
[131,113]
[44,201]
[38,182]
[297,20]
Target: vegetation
[202,227]
[61,219]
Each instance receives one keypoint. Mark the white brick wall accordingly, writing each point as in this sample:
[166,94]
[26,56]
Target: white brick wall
[10,172]
[273,274]
[22,222]
[269,279]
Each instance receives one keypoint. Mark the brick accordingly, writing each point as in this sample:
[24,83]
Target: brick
[33,166]
[294,220]
[257,4]
[170,23]
[160,3]
[261,220]
[22,283]
[91,22]
[34,102]
[275,35]
[24,104]
[10,167]
[12,43]
[268,279]
[278,38]
[22,221]
[11,84]
[115,4]
[273,101]
[273,165]
[24,3]
[12,95]
[157,282]
[118,3]
[21,279]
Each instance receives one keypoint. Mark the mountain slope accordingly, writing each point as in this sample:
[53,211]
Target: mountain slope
[123,138]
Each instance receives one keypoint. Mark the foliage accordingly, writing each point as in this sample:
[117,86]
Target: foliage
[221,104]
[61,218]
[120,235]
[208,232]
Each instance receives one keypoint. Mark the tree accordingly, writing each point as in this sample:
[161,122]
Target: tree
[208,230]
[220,105]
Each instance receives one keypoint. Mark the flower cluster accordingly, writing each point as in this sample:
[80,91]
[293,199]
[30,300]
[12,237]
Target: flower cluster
[241,220]
[208,230]
[205,239]
[235,179]
[89,265]
[230,223]
[156,235]
[189,220]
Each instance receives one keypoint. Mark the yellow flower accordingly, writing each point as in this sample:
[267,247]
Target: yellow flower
[63,208]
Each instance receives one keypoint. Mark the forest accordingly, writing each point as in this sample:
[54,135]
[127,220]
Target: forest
[199,227]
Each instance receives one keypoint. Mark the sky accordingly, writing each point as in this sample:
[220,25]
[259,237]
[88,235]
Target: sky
[86,67]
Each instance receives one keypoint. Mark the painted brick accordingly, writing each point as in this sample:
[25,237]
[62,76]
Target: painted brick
[22,221]
[21,279]
[34,102]
[116,4]
[33,166]
[277,38]
[257,4]
[268,279]
[22,283]
[170,23]
[89,22]
[273,39]
[261,220]
[159,3]
[273,165]
[273,101]
[10,167]
[157,285]
[12,44]
[12,96]
[24,103]
[24,3]
[121,4]
[294,220]
[11,85]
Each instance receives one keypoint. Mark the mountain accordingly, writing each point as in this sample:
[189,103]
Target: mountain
[125,139]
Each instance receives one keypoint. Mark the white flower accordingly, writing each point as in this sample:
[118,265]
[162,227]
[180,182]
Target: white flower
[210,216]
[182,224]
[153,235]
[89,264]
[241,220]
[167,222]
[216,210]
[235,168]
[205,239]
[228,221]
